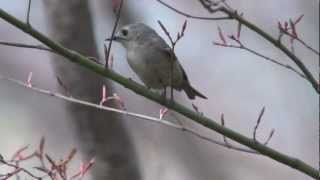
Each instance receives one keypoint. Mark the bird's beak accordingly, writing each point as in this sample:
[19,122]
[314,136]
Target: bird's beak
[114,38]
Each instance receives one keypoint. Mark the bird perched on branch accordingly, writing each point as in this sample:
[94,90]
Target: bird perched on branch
[151,58]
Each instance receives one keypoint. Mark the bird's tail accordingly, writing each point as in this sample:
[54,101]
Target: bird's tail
[191,92]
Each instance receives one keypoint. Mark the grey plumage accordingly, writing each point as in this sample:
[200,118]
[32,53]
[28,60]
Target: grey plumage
[151,58]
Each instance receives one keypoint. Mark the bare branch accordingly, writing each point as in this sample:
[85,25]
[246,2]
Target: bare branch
[17,170]
[127,113]
[277,44]
[21,45]
[233,14]
[243,47]
[192,16]
[166,32]
[83,61]
[303,43]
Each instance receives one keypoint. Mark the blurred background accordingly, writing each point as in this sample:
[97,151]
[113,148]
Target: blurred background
[236,83]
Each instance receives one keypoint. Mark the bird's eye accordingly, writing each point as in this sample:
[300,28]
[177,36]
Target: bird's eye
[124,32]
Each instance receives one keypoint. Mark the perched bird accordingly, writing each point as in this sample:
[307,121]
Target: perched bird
[151,58]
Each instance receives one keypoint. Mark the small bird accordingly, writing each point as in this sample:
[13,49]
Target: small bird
[151,58]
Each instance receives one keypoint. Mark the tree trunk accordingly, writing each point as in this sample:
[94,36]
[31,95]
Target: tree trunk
[101,134]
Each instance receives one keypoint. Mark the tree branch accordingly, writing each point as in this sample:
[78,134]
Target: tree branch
[232,14]
[192,16]
[268,59]
[21,45]
[276,43]
[142,117]
[303,43]
[139,89]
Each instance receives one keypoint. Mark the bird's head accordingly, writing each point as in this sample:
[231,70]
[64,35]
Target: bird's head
[132,33]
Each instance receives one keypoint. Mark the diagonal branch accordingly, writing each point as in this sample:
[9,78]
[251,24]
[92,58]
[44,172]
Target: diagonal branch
[277,44]
[232,14]
[79,59]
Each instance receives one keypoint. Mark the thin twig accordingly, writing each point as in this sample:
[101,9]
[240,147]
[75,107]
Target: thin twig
[303,43]
[28,12]
[113,32]
[243,47]
[39,47]
[257,124]
[192,16]
[179,36]
[269,137]
[64,86]
[22,45]
[127,113]
[309,76]
[18,168]
[233,14]
[225,140]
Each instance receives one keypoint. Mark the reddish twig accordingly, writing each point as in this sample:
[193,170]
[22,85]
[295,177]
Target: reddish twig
[55,167]
[302,42]
[276,43]
[178,37]
[127,113]
[84,167]
[292,33]
[17,155]
[105,98]
[17,170]
[58,170]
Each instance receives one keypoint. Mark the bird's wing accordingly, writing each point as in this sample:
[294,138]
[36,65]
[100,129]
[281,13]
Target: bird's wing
[160,45]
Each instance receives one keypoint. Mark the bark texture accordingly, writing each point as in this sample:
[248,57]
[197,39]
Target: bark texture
[101,134]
